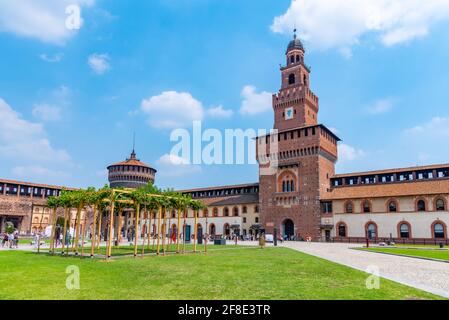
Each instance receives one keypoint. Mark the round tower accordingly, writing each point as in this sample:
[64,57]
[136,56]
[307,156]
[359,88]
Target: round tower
[131,173]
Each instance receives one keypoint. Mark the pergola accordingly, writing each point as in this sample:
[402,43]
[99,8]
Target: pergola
[114,201]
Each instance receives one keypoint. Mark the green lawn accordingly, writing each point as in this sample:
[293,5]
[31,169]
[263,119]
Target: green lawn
[231,273]
[420,253]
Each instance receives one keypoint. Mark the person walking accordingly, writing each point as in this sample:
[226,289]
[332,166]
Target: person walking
[16,239]
[4,239]
[11,240]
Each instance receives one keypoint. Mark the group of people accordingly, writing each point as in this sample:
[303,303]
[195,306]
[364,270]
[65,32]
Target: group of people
[10,240]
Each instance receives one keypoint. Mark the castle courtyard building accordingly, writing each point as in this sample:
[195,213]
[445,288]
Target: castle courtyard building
[299,195]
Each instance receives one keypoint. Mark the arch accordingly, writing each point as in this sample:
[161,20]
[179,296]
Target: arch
[366,206]
[212,229]
[287,181]
[298,58]
[404,230]
[291,79]
[349,207]
[305,81]
[226,212]
[288,228]
[439,230]
[256,209]
[235,211]
[215,212]
[371,230]
[342,230]
[392,205]
[244,209]
[440,204]
[226,229]
[421,205]
[292,59]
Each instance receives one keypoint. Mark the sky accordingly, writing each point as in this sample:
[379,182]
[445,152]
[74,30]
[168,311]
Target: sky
[74,91]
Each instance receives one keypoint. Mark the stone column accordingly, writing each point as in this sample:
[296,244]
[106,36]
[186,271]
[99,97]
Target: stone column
[4,189]
[18,190]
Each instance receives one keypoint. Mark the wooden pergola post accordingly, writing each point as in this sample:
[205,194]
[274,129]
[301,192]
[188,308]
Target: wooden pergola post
[98,240]
[53,231]
[195,236]
[136,228]
[178,231]
[111,234]
[77,229]
[159,229]
[93,235]
[64,230]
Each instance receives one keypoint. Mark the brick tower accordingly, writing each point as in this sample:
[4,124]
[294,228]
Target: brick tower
[298,158]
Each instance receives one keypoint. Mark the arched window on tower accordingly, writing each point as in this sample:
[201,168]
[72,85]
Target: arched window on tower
[305,80]
[297,58]
[292,59]
[291,79]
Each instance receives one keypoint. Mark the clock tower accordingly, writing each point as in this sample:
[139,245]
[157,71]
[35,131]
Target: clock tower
[297,160]
[295,105]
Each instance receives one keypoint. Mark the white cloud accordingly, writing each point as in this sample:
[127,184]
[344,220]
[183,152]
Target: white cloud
[348,153]
[44,20]
[255,103]
[55,58]
[170,165]
[25,140]
[325,24]
[437,127]
[381,106]
[219,112]
[38,171]
[99,63]
[47,112]
[172,109]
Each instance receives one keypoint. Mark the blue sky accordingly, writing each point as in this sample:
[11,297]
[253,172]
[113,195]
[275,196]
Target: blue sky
[71,100]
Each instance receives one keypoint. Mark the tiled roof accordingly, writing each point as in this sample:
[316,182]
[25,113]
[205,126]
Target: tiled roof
[236,186]
[30,184]
[231,200]
[398,189]
[386,171]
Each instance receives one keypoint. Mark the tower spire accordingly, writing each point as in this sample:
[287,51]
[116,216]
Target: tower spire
[133,153]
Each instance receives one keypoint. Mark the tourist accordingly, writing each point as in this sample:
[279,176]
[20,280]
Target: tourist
[36,240]
[4,240]
[11,240]
[16,239]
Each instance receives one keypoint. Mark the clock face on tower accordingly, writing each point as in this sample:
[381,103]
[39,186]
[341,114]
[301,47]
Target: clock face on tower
[289,112]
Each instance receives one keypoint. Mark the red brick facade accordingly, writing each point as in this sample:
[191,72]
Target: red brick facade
[301,149]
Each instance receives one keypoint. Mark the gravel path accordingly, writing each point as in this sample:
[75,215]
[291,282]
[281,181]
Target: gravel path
[426,275]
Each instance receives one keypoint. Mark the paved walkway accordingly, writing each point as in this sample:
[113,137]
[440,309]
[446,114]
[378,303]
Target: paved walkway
[431,276]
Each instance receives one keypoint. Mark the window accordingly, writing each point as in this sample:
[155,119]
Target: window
[235,212]
[392,206]
[421,205]
[371,231]
[291,79]
[366,207]
[226,212]
[438,231]
[404,231]
[342,230]
[215,212]
[244,210]
[439,205]
[292,59]
[244,220]
[349,208]
[326,207]
[297,58]
[256,209]
[256,220]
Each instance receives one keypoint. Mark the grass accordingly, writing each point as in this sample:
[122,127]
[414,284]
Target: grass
[233,273]
[413,252]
